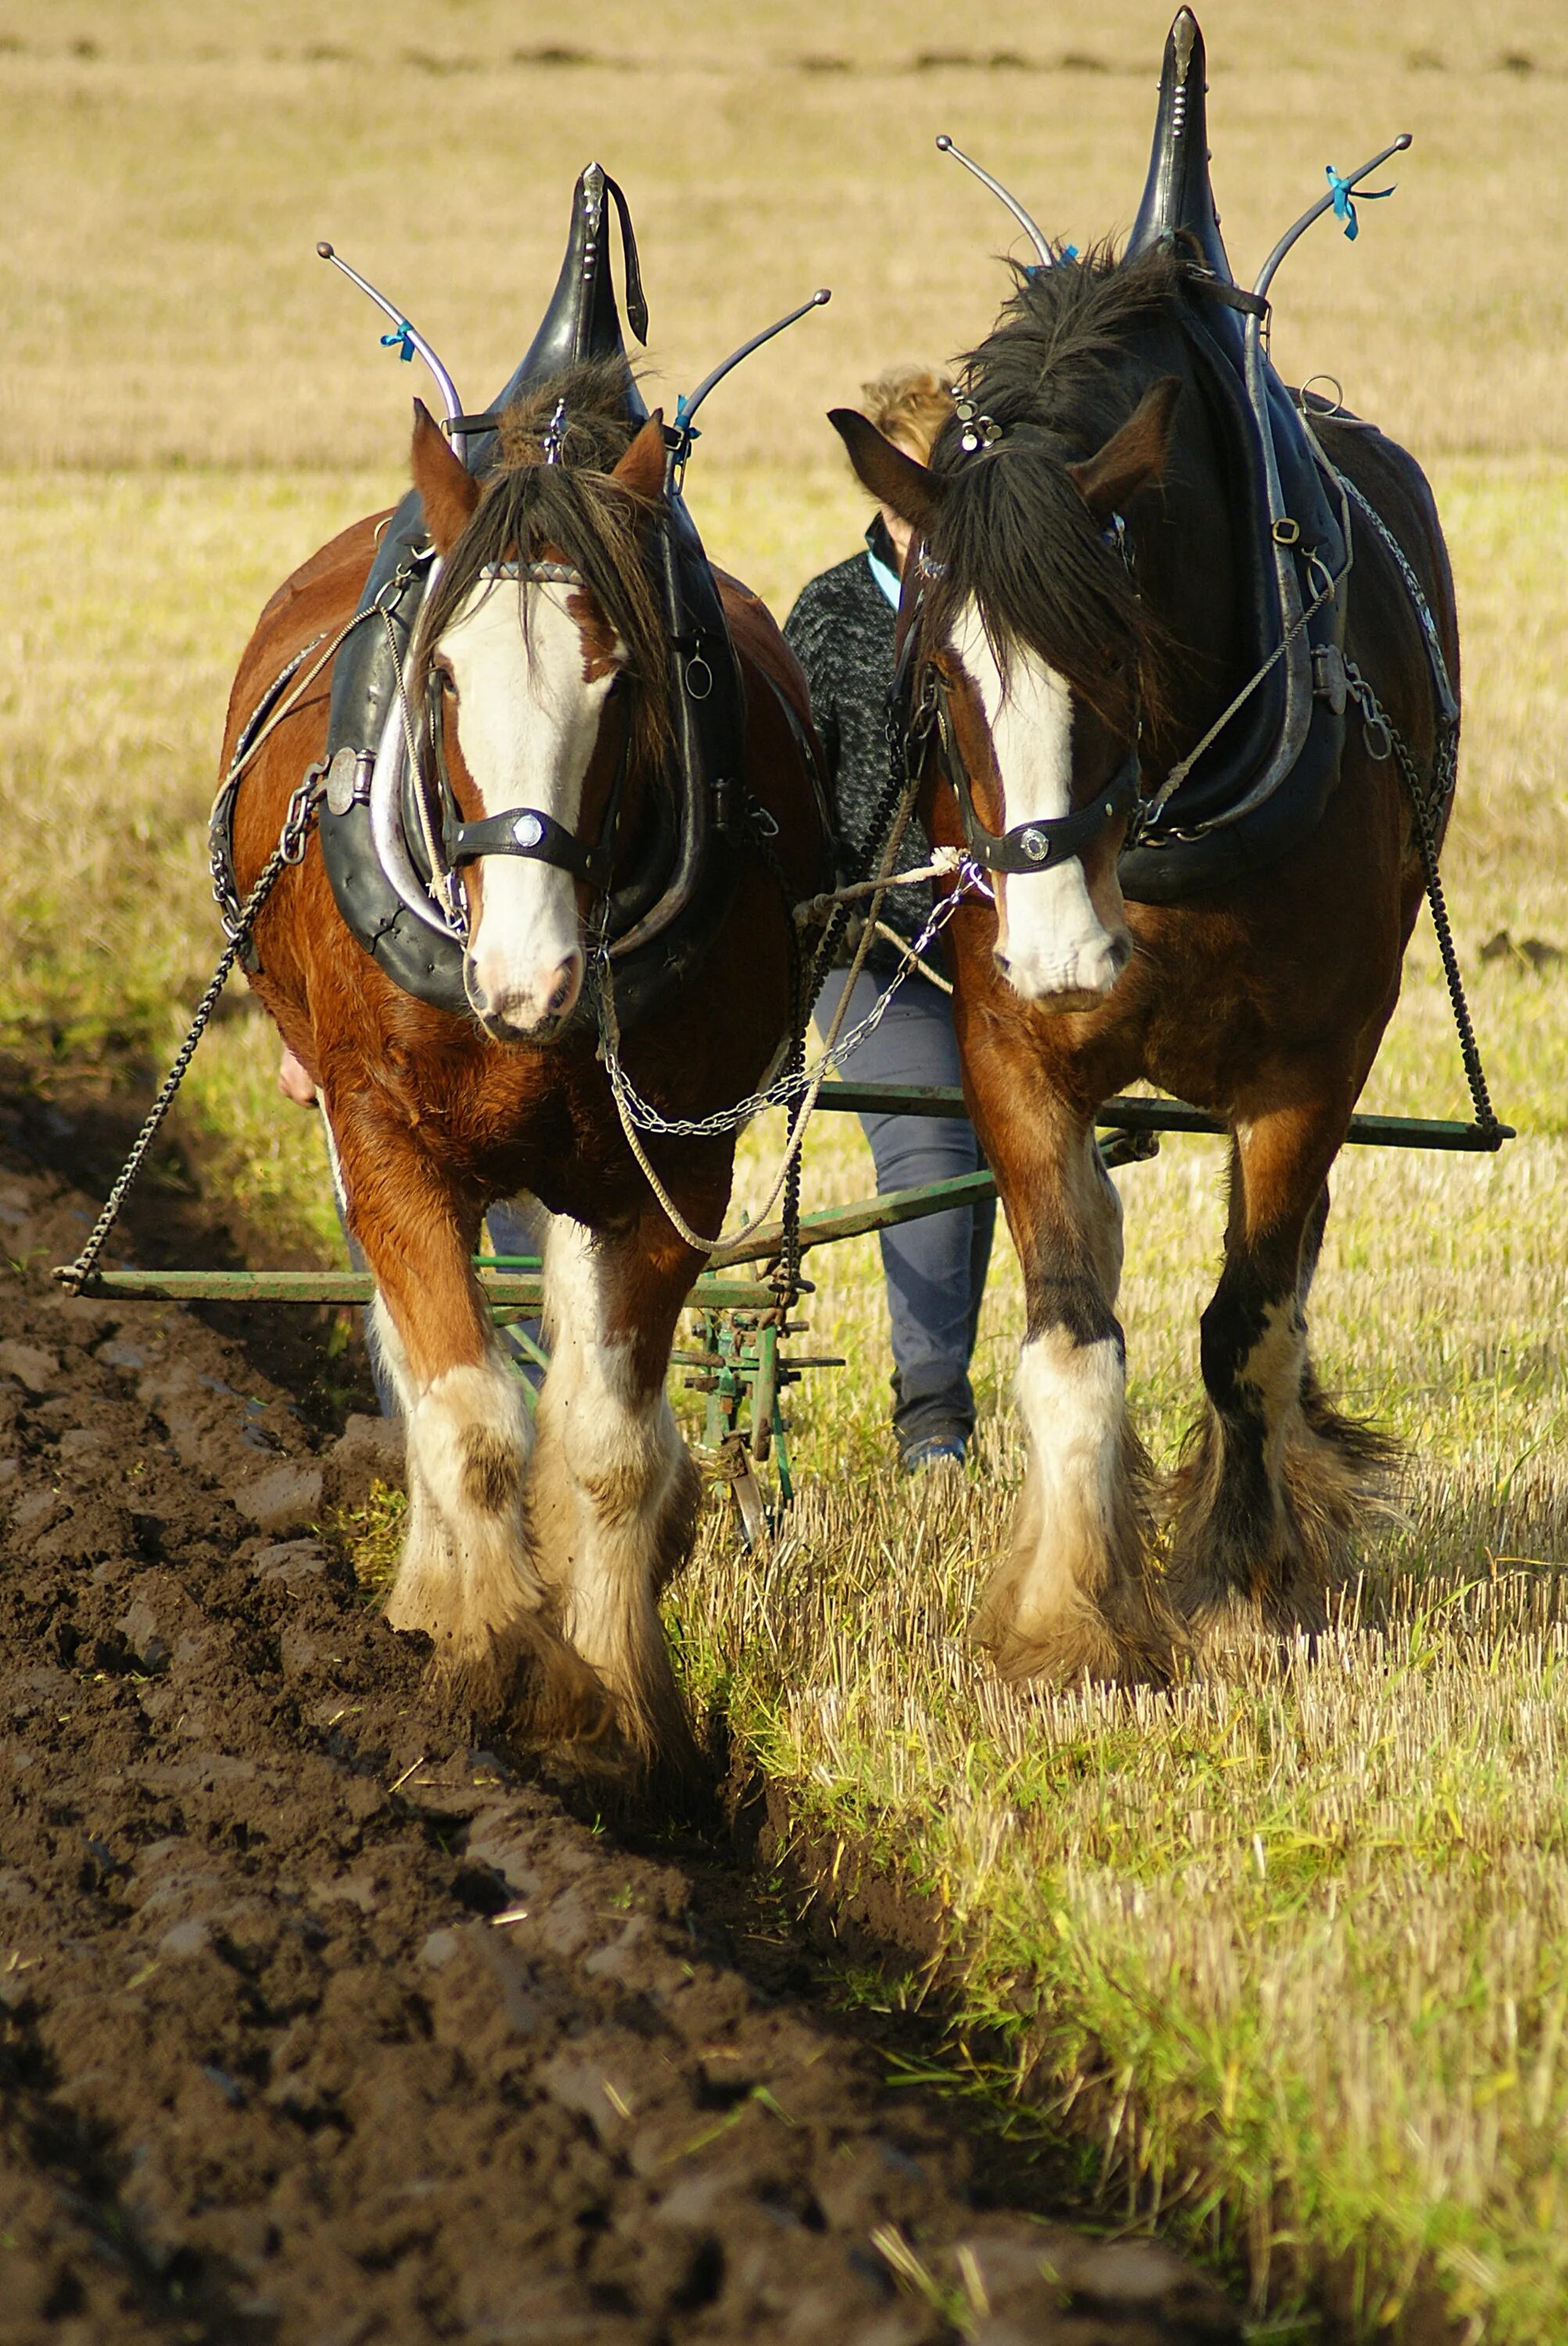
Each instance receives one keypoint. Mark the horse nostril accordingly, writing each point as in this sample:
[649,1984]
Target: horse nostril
[562,991]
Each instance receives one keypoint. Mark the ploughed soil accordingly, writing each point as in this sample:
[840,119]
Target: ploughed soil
[320,2023]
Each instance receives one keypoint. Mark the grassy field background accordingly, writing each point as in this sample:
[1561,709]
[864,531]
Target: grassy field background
[1279,1964]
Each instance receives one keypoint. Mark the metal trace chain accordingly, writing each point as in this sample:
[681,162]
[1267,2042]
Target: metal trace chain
[1412,583]
[807,1081]
[784,1088]
[258,727]
[1425,808]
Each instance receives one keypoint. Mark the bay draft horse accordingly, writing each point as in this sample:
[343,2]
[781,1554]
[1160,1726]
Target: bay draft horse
[535,1554]
[1263,1001]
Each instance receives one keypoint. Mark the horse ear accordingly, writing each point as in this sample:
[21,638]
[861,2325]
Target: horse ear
[1132,457]
[447,489]
[894,479]
[642,469]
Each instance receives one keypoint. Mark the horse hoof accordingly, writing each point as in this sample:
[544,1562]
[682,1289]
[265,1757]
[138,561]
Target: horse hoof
[1077,1645]
[553,1696]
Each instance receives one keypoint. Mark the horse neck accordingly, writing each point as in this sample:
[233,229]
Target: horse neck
[1188,573]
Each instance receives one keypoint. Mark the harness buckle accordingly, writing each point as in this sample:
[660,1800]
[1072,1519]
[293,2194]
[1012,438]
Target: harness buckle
[1285,532]
[349,780]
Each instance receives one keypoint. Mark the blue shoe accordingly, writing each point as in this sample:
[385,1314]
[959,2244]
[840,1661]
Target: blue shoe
[936,1450]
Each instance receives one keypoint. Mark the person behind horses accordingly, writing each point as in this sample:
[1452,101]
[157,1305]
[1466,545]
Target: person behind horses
[842,631]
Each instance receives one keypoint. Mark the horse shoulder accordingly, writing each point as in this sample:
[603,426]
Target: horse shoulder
[755,634]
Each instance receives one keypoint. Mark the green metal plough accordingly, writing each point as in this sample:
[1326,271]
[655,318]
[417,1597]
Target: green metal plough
[737,1355]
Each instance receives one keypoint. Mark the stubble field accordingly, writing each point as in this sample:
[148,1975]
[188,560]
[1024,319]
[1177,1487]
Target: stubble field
[1276,1964]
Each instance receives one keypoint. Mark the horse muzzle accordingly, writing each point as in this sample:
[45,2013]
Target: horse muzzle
[533,1008]
[1082,981]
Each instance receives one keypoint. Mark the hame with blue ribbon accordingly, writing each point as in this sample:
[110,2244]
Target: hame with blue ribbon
[401,338]
[1344,208]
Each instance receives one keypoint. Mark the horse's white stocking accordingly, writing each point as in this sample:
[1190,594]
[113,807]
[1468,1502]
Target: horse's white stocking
[466,1578]
[426,1569]
[1073,1594]
[615,1494]
[1071,1397]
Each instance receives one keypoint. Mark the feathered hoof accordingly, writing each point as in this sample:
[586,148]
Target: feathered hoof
[1252,1636]
[635,1747]
[1081,1643]
[524,1681]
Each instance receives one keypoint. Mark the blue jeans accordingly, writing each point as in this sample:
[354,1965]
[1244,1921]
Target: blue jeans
[935,1268]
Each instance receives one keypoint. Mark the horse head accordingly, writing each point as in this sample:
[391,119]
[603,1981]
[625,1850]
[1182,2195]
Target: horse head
[1028,643]
[542,668]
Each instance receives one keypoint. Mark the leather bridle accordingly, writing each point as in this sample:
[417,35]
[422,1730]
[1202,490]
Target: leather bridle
[524,830]
[1028,847]
[1048,840]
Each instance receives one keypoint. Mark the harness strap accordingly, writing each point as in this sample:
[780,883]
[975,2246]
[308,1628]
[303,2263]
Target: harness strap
[1048,840]
[528,832]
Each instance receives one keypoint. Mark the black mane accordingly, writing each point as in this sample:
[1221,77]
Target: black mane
[1013,531]
[578,512]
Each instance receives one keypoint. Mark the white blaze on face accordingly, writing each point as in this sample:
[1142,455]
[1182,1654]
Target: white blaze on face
[528,721]
[1052,945]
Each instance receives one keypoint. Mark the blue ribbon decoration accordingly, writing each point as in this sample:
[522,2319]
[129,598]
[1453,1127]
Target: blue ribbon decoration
[401,341]
[688,432]
[1035,270]
[1344,209]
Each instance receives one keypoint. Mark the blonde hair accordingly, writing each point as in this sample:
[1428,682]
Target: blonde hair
[909,403]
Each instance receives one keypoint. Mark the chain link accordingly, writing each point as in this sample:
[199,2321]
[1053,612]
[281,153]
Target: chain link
[1413,588]
[290,851]
[1428,805]
[790,1085]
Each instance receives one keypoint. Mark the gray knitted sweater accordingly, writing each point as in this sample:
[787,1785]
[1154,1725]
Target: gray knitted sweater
[842,631]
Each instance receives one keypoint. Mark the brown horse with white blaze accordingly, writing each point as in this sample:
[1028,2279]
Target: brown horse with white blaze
[1076,609]
[535,1552]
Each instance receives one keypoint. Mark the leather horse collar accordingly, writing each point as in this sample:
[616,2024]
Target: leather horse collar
[384,846]
[1256,784]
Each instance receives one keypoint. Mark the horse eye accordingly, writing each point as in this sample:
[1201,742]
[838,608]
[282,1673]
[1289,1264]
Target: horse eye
[448,681]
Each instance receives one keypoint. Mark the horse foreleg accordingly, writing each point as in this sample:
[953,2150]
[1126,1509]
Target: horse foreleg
[467,1576]
[614,1493]
[1074,1593]
[1274,1480]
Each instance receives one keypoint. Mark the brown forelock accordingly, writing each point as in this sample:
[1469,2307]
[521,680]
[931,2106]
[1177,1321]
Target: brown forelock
[1059,373]
[576,512]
